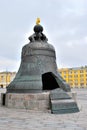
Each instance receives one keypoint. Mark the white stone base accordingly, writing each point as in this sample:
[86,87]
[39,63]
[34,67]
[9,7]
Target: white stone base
[31,101]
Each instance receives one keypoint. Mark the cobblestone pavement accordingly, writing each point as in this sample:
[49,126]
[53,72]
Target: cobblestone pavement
[19,119]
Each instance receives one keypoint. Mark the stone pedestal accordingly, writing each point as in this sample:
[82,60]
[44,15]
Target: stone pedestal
[57,101]
[31,101]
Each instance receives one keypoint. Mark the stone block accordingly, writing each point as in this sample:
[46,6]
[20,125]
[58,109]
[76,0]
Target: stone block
[58,94]
[64,111]
[64,106]
[31,101]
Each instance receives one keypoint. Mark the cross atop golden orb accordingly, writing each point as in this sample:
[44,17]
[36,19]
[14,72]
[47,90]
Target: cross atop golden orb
[37,21]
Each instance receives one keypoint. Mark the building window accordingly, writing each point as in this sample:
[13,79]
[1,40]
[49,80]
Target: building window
[76,81]
[82,80]
[64,76]
[81,71]
[60,73]
[1,85]
[75,76]
[76,72]
[70,76]
[64,72]
[82,84]
[70,72]
[76,84]
[81,75]
[2,78]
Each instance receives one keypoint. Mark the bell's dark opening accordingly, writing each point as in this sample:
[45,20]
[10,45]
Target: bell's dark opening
[49,81]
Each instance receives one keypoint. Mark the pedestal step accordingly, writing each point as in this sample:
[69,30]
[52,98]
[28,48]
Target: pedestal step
[58,94]
[63,106]
[61,102]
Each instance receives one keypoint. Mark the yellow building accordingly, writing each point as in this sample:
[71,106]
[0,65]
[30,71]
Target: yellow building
[76,77]
[6,78]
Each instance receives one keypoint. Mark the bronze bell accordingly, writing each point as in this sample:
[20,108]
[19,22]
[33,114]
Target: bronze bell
[38,69]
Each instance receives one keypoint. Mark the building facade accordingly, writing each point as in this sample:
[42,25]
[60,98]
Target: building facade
[75,77]
[6,78]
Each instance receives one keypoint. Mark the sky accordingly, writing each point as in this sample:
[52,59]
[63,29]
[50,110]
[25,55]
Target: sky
[64,23]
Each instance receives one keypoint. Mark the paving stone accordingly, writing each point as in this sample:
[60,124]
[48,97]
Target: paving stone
[21,119]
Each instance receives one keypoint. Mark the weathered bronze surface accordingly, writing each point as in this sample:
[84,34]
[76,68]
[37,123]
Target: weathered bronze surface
[38,70]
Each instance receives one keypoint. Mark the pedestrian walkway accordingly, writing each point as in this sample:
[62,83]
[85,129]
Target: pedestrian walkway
[20,119]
